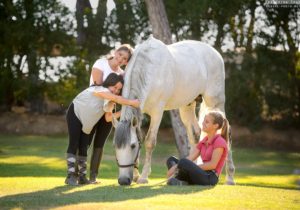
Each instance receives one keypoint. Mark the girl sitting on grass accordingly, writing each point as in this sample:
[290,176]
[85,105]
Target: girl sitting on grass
[213,151]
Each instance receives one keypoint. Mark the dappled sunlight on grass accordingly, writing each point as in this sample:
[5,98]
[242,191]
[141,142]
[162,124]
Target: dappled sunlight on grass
[287,181]
[50,162]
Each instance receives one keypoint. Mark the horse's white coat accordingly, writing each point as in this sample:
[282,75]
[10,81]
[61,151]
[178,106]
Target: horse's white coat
[165,77]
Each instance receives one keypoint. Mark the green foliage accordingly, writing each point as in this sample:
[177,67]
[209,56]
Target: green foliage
[279,87]
[243,104]
[128,22]
[69,85]
[258,89]
[28,35]
[261,89]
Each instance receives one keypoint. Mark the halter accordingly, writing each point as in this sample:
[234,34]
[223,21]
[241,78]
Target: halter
[132,164]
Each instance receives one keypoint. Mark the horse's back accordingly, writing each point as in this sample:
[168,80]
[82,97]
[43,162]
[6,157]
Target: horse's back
[196,64]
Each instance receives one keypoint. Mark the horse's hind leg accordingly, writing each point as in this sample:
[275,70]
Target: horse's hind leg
[188,117]
[230,169]
[150,143]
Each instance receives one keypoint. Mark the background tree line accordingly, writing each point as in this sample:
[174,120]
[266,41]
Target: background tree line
[262,62]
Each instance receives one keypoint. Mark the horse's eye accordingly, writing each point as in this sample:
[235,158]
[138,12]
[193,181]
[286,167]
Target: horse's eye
[132,146]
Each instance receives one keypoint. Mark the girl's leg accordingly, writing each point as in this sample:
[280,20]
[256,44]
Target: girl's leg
[171,161]
[195,174]
[102,131]
[82,158]
[74,129]
[176,179]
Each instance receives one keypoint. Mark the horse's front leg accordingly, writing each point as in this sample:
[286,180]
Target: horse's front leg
[150,143]
[136,173]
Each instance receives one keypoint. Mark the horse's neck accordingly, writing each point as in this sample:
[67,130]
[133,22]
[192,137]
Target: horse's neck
[134,88]
[137,80]
[139,75]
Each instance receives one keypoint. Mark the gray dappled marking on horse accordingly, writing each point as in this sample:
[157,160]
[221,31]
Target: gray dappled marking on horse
[166,77]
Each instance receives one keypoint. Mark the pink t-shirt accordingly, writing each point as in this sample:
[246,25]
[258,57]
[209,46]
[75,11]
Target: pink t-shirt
[207,151]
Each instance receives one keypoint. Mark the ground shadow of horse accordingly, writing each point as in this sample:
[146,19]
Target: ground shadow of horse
[63,195]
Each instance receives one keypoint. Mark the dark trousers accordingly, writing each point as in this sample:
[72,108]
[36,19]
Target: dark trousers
[189,171]
[78,140]
[100,133]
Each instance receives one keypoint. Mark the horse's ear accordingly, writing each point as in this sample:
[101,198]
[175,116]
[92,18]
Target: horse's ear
[134,122]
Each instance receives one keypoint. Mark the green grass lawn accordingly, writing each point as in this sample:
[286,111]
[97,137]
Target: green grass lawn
[32,173]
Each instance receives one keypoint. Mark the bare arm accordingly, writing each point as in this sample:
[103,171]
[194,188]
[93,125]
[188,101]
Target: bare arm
[212,164]
[109,116]
[118,99]
[194,154]
[97,76]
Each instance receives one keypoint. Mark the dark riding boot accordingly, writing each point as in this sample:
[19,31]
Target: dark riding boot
[82,160]
[71,177]
[95,163]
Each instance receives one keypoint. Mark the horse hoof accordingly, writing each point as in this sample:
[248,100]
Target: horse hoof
[230,182]
[142,181]
[136,178]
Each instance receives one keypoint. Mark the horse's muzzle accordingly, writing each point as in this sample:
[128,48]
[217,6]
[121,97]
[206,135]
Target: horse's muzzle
[124,181]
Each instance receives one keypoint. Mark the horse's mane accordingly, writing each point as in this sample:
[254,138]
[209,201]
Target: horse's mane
[123,130]
[121,134]
[138,80]
[137,77]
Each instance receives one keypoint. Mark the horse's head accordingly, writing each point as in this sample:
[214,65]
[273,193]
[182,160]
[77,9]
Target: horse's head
[127,143]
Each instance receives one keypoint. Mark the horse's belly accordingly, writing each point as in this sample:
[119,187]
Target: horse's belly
[188,85]
[182,97]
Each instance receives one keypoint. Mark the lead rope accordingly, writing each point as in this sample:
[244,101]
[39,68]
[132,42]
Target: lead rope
[114,119]
[166,180]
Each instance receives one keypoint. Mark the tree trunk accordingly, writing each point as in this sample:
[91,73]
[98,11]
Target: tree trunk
[251,27]
[81,5]
[100,19]
[161,30]
[35,93]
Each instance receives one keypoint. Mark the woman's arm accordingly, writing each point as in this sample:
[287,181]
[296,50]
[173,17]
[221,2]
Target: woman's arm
[109,116]
[118,99]
[212,164]
[97,76]
[171,171]
[194,154]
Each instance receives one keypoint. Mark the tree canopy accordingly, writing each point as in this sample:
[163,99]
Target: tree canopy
[259,43]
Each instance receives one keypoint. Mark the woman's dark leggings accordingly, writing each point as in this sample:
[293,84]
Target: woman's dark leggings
[100,132]
[189,171]
[78,140]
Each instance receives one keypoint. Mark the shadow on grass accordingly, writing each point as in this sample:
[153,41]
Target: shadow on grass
[61,196]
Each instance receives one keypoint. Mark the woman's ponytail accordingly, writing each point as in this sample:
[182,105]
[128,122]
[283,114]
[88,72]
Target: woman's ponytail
[223,124]
[224,130]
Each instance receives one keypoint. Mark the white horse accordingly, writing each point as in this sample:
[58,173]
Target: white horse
[166,77]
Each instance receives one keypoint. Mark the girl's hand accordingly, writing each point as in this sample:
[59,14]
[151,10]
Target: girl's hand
[171,171]
[109,107]
[135,103]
